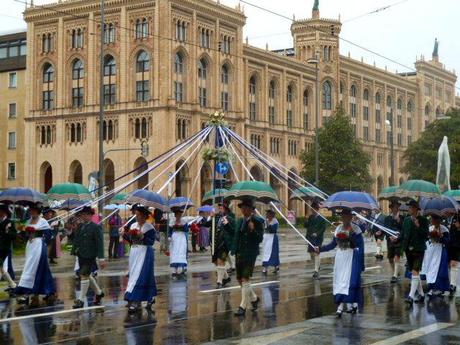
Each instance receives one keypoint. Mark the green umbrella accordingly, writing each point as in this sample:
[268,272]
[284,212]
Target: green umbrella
[64,191]
[454,193]
[389,193]
[307,193]
[256,190]
[219,193]
[118,199]
[413,189]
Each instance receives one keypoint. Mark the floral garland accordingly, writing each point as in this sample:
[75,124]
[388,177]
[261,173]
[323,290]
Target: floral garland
[216,154]
[217,119]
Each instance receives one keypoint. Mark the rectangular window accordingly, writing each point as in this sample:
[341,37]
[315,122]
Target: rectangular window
[353,109]
[289,118]
[389,137]
[409,124]
[427,90]
[11,140]
[12,110]
[366,113]
[109,94]
[48,100]
[366,133]
[224,100]
[379,159]
[305,122]
[271,115]
[23,49]
[3,52]
[399,121]
[178,91]
[252,111]
[13,80]
[77,97]
[11,171]
[377,116]
[378,139]
[142,91]
[400,139]
[203,98]
[13,51]
[409,139]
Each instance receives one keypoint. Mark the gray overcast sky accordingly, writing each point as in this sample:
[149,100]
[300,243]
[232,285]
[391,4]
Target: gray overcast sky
[401,32]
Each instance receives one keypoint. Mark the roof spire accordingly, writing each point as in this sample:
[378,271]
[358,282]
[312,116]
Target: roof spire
[435,49]
[315,10]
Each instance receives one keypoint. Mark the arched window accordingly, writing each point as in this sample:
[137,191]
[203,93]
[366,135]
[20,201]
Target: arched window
[409,107]
[77,84]
[110,66]
[202,76]
[110,130]
[181,31]
[137,129]
[399,104]
[377,98]
[389,101]
[271,102]
[353,93]
[142,79]
[378,118]
[77,70]
[72,133]
[142,28]
[427,110]
[289,106]
[326,53]
[252,98]
[79,133]
[110,70]
[366,105]
[144,129]
[109,33]
[43,136]
[225,96]
[77,38]
[178,77]
[366,94]
[327,95]
[48,135]
[305,110]
[48,93]
[47,43]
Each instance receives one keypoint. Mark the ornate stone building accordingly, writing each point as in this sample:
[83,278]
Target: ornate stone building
[169,63]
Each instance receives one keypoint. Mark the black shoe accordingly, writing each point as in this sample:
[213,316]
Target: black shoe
[219,286]
[353,310]
[452,290]
[255,304]
[409,300]
[133,308]
[394,280]
[229,271]
[98,299]
[276,271]
[50,300]
[149,306]
[338,314]
[226,281]
[77,304]
[23,300]
[264,273]
[240,312]
[420,300]
[315,275]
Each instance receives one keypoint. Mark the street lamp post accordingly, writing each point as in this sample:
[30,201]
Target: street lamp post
[315,61]
[101,112]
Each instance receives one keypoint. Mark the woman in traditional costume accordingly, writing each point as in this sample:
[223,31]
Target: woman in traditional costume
[271,247]
[141,284]
[347,264]
[178,245]
[36,278]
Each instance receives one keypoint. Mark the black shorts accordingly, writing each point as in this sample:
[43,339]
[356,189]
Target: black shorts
[414,260]
[3,255]
[393,251]
[380,237]
[87,266]
[220,254]
[454,253]
[244,269]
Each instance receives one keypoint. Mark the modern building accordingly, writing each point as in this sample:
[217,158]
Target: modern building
[170,63]
[12,108]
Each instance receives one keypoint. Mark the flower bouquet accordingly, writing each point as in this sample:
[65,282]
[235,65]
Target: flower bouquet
[435,235]
[135,235]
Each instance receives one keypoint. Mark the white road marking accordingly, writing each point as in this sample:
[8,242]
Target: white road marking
[16,318]
[372,268]
[270,338]
[416,333]
[239,287]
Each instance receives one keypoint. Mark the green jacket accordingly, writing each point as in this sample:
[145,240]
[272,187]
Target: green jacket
[7,236]
[315,225]
[414,238]
[228,231]
[89,241]
[246,243]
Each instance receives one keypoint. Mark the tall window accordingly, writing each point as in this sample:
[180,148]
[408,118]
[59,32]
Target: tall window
[252,98]
[202,81]
[11,140]
[181,129]
[271,102]
[77,83]
[12,80]
[110,71]
[11,171]
[76,132]
[353,94]
[409,116]
[366,105]
[48,81]
[366,133]
[12,110]
[181,30]
[77,38]
[108,130]
[47,43]
[224,80]
[225,44]
[289,106]
[399,113]
[109,33]
[142,77]
[377,108]
[179,77]
[327,96]
[205,38]
[305,110]
[142,28]
[389,109]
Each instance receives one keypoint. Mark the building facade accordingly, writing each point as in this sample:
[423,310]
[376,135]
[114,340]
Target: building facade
[12,108]
[170,63]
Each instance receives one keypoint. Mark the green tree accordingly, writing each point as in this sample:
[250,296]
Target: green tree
[343,164]
[421,157]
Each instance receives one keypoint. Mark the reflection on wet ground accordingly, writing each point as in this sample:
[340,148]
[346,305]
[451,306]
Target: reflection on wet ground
[185,315]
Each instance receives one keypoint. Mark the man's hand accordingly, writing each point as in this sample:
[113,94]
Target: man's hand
[393,238]
[317,250]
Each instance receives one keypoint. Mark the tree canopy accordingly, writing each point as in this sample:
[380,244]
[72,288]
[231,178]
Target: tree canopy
[343,164]
[421,157]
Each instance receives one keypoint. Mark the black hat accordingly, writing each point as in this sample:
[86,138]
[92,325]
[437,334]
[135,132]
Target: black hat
[176,210]
[87,210]
[5,209]
[315,204]
[48,209]
[394,203]
[345,211]
[142,209]
[413,203]
[37,206]
[436,217]
[270,211]
[247,203]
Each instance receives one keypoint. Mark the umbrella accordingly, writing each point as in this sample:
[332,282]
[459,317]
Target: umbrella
[22,196]
[219,193]
[71,204]
[180,202]
[257,190]
[389,193]
[113,207]
[120,198]
[442,206]
[413,189]
[148,199]
[206,208]
[351,200]
[307,193]
[454,193]
[64,191]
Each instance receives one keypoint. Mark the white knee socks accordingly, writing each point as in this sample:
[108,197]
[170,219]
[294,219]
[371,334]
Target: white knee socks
[453,276]
[245,295]
[420,288]
[94,285]
[84,285]
[340,307]
[220,273]
[317,261]
[379,248]
[414,283]
[253,294]
[396,269]
[10,281]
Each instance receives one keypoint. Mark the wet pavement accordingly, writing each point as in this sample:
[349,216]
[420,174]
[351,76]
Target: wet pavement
[294,309]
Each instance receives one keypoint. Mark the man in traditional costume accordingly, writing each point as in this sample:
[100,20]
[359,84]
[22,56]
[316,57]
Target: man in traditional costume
[348,264]
[248,236]
[271,247]
[315,226]
[88,246]
[223,243]
[454,253]
[394,222]
[379,235]
[7,236]
[413,238]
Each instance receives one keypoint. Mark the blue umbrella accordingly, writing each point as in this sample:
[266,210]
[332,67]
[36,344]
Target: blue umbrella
[71,204]
[148,199]
[351,200]
[113,207]
[21,196]
[206,208]
[442,206]
[180,202]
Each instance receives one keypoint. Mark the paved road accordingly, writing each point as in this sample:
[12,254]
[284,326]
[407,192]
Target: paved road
[295,310]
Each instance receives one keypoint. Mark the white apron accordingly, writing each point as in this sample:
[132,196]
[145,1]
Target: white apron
[342,271]
[178,248]
[268,246]
[432,259]
[33,253]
